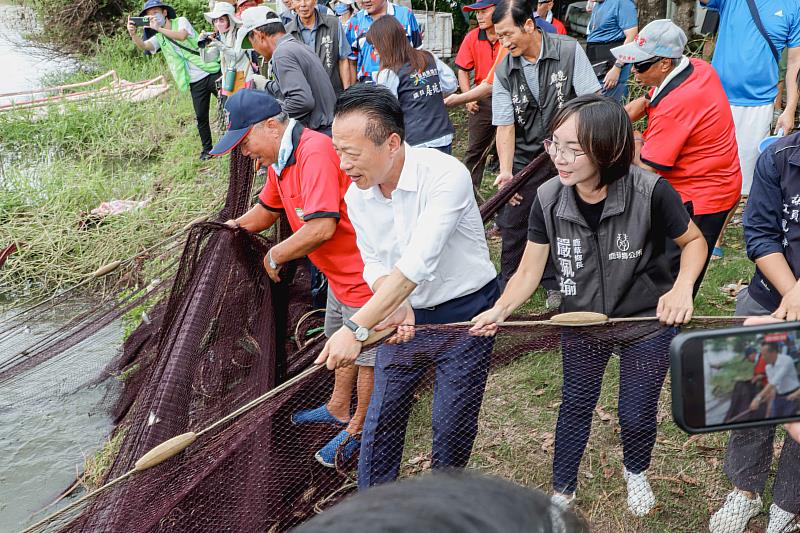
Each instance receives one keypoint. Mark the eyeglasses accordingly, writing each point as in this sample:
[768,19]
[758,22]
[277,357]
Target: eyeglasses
[568,154]
[644,66]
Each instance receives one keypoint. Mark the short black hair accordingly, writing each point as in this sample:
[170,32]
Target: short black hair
[521,11]
[771,346]
[451,502]
[273,25]
[605,133]
[379,105]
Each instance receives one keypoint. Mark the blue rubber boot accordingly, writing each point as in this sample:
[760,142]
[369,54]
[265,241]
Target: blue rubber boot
[317,415]
[344,443]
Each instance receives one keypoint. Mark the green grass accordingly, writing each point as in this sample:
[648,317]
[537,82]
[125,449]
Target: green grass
[59,167]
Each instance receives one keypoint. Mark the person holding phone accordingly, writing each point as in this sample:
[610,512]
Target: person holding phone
[772,233]
[598,205]
[177,40]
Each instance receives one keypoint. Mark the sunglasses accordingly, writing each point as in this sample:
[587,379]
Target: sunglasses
[644,66]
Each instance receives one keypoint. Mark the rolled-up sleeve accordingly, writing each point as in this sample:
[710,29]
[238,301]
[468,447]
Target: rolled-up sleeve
[374,269]
[446,203]
[763,214]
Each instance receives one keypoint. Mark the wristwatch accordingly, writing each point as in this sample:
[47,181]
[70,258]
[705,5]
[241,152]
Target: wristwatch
[619,64]
[360,332]
[272,264]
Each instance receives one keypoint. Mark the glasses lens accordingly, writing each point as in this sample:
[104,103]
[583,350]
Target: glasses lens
[644,66]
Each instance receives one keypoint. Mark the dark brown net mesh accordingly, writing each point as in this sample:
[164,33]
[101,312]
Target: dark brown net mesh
[537,404]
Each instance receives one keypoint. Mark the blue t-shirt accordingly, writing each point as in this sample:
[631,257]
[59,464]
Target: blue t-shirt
[367,60]
[742,57]
[543,24]
[610,19]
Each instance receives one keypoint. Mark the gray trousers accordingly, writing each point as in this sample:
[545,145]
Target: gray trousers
[749,453]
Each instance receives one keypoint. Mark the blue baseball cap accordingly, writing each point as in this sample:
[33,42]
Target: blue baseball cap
[243,110]
[341,9]
[480,4]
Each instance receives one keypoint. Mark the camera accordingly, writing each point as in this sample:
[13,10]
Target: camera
[140,21]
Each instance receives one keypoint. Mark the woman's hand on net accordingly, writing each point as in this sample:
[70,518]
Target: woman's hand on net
[676,306]
[486,323]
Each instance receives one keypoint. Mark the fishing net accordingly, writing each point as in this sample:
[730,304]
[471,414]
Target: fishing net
[225,361]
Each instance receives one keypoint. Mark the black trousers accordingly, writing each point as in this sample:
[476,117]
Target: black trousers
[201,91]
[481,136]
[710,226]
[513,224]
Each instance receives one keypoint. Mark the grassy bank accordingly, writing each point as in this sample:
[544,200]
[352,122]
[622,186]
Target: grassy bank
[58,167]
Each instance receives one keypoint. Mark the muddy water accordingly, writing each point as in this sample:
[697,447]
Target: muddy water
[22,65]
[47,427]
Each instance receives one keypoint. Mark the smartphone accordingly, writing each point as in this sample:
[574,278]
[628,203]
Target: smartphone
[736,378]
[140,21]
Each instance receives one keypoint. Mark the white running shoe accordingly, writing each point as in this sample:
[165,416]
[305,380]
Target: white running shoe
[640,496]
[781,521]
[560,503]
[735,514]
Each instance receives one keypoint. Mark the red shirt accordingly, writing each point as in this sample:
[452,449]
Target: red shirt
[560,28]
[761,369]
[690,139]
[477,53]
[312,186]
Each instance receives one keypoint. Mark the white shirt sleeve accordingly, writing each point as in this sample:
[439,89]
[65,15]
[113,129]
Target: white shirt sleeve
[153,42]
[374,269]
[184,24]
[388,78]
[447,199]
[447,78]
[782,374]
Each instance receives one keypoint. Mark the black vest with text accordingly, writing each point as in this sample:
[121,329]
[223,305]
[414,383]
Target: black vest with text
[615,270]
[326,44]
[532,117]
[421,99]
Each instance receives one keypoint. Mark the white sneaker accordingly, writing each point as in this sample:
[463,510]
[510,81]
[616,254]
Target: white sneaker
[735,514]
[560,503]
[781,521]
[640,496]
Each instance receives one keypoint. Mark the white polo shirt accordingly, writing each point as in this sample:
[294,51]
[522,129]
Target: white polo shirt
[783,374]
[430,229]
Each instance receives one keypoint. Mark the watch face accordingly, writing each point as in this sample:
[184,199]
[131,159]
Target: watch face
[362,334]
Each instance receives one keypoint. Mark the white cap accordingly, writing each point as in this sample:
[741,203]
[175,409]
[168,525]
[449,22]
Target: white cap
[222,9]
[253,18]
[660,38]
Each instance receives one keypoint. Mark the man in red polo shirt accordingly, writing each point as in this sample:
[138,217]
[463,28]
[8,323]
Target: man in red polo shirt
[305,182]
[477,54]
[690,137]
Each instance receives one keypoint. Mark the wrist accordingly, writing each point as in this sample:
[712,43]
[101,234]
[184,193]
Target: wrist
[619,65]
[272,262]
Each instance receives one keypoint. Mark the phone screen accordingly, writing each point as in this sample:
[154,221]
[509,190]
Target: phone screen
[750,376]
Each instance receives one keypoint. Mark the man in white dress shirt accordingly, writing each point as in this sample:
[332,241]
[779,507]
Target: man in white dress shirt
[420,234]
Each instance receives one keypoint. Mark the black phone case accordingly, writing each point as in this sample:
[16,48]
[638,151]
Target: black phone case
[676,359]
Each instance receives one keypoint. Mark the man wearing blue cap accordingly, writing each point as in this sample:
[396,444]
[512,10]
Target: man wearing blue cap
[177,39]
[304,181]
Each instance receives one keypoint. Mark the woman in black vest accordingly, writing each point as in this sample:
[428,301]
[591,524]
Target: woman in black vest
[605,223]
[419,80]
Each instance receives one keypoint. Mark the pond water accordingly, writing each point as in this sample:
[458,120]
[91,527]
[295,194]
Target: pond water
[49,422]
[27,64]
